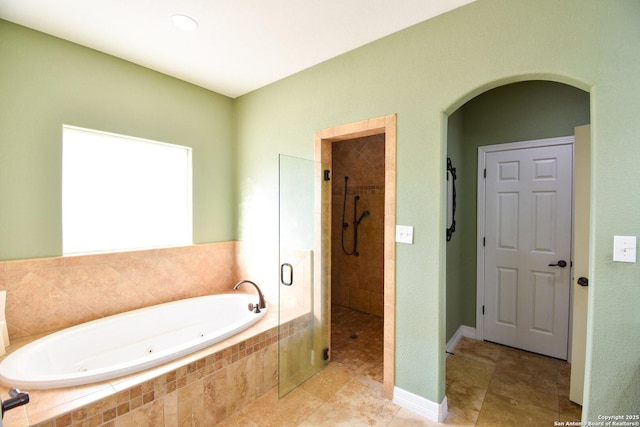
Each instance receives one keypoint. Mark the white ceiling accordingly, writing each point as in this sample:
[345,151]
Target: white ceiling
[240,45]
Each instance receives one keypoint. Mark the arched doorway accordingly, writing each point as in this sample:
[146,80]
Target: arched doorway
[513,112]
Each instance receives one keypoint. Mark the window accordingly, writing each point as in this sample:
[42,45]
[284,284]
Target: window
[123,193]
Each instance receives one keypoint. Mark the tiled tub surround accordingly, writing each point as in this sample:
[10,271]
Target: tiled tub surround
[128,342]
[206,386]
[200,389]
[49,294]
[45,295]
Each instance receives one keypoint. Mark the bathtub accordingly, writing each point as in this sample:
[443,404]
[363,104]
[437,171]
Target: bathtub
[128,342]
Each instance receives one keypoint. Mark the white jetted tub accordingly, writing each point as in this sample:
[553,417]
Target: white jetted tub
[128,342]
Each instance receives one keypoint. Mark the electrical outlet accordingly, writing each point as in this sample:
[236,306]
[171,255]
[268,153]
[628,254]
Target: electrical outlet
[624,248]
[404,234]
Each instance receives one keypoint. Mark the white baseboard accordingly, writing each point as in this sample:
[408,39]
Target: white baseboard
[424,407]
[463,331]
[421,406]
[468,332]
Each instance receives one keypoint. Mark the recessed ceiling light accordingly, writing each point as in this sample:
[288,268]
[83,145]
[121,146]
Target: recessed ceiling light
[185,23]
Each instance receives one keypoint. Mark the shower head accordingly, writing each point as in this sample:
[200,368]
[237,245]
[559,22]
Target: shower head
[362,215]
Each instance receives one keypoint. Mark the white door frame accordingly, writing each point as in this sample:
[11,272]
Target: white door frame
[482,153]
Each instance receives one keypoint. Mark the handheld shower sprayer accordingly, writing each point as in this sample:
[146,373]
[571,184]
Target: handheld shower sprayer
[356,220]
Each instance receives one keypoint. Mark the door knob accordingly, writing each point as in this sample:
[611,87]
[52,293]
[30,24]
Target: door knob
[583,281]
[562,263]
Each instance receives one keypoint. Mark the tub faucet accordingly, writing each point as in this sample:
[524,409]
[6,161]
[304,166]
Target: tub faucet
[261,302]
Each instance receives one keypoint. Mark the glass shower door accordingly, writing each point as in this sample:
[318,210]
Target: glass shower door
[303,309]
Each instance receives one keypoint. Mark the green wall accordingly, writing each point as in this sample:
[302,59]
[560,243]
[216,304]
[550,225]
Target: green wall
[45,82]
[456,263]
[515,112]
[425,73]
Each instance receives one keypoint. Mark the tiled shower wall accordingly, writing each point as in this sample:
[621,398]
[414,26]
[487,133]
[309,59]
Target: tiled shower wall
[358,281]
[48,294]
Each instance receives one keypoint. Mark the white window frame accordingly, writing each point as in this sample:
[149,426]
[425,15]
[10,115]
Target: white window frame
[115,199]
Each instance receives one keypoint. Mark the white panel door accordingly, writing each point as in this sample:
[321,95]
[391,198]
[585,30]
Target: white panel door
[527,234]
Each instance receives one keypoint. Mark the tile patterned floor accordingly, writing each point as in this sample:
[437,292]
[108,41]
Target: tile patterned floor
[487,385]
[493,385]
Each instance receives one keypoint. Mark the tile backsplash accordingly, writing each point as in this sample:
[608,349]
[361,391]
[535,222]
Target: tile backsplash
[48,294]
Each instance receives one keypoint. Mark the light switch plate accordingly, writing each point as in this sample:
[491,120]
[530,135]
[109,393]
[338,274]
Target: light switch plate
[624,248]
[404,234]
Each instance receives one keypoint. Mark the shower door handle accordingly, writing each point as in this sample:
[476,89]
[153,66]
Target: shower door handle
[289,267]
